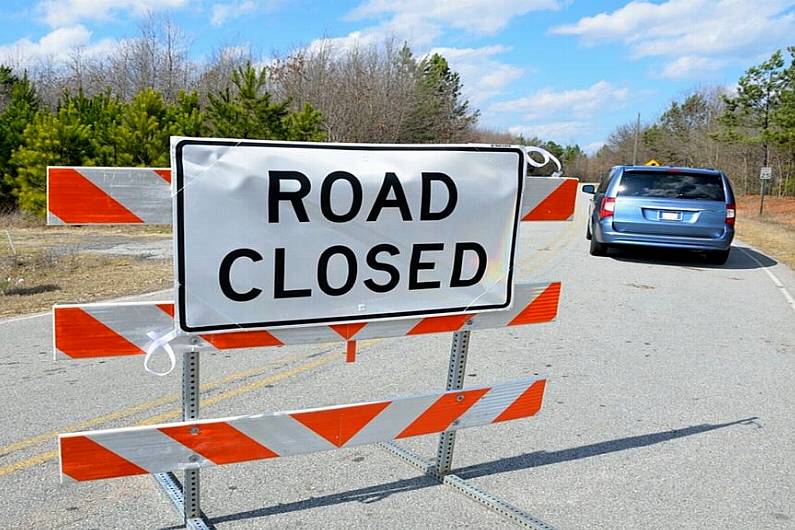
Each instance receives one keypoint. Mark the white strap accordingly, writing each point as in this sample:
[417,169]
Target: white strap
[158,342]
[546,155]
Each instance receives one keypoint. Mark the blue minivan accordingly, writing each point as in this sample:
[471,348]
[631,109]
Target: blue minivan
[672,207]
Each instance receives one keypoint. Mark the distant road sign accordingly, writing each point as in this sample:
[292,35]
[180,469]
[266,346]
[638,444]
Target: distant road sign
[652,162]
[766,173]
[283,234]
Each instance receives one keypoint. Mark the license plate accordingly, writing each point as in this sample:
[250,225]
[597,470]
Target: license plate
[671,216]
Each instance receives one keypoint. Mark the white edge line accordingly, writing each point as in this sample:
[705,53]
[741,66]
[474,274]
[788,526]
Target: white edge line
[778,283]
[48,313]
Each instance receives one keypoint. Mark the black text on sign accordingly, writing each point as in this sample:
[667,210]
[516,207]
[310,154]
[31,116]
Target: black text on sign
[272,234]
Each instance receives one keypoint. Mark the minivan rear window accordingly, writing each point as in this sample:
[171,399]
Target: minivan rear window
[672,185]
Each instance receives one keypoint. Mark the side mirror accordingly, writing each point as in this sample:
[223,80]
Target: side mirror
[589,188]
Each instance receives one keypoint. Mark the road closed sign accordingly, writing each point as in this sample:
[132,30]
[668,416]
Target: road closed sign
[288,234]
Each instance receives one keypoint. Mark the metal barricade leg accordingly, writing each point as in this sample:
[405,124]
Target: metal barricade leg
[455,381]
[186,496]
[190,411]
[444,456]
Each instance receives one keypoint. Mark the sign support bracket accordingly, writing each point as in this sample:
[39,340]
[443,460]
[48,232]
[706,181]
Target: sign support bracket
[186,496]
[455,381]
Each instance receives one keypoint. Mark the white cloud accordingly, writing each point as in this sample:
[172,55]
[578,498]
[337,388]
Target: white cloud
[566,116]
[482,75]
[691,34]
[57,46]
[477,16]
[60,13]
[593,147]
[580,103]
[422,22]
[340,45]
[223,12]
[559,131]
[691,66]
[409,27]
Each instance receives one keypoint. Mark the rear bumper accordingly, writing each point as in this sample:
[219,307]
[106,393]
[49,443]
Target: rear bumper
[604,233]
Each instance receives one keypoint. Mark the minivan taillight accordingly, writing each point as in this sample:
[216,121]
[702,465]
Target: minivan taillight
[607,208]
[731,214]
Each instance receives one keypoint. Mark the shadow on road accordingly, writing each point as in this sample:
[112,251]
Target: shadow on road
[740,257]
[543,458]
[526,461]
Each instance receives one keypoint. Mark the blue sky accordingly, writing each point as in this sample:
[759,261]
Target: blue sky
[565,70]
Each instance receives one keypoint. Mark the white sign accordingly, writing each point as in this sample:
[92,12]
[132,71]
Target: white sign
[286,234]
[766,173]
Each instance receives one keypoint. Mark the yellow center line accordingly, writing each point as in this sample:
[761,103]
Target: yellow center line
[140,407]
[28,462]
[175,413]
[244,389]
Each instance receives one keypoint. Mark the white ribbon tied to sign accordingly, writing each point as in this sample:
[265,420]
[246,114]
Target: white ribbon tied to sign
[160,342]
[547,158]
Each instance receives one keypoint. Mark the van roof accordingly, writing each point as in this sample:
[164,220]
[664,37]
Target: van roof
[672,169]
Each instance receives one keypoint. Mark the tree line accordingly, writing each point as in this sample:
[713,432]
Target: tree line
[120,109]
[738,130]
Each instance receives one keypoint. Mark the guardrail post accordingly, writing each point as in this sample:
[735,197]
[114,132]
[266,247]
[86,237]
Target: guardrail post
[455,381]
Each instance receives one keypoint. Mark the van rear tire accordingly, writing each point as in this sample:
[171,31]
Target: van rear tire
[597,249]
[718,257]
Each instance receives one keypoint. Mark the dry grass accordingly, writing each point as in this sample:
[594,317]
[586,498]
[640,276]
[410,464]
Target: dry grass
[774,231]
[35,281]
[40,265]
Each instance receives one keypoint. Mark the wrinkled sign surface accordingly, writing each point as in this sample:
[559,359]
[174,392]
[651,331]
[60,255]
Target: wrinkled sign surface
[288,234]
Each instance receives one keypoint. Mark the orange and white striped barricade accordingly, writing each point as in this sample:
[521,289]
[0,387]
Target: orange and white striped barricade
[120,329]
[81,195]
[194,444]
[111,195]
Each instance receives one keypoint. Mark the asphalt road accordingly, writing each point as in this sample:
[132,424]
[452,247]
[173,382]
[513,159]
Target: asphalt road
[670,404]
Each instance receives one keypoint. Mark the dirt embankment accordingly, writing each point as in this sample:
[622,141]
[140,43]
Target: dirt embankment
[40,266]
[773,231]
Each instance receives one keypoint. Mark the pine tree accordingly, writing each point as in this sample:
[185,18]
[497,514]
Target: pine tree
[19,104]
[185,116]
[62,138]
[246,110]
[440,113]
[101,113]
[748,114]
[305,125]
[782,132]
[142,134]
[145,126]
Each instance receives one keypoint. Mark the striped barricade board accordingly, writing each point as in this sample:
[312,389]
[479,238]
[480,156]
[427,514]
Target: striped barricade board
[106,195]
[189,445]
[119,329]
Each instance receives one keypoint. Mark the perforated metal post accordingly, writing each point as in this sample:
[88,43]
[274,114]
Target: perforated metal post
[190,411]
[455,381]
[185,496]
